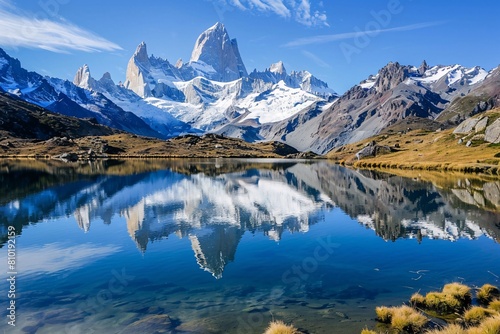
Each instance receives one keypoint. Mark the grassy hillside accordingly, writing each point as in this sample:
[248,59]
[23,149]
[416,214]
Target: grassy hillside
[421,147]
[125,145]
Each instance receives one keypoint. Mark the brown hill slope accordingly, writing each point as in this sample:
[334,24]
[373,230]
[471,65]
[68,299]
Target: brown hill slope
[20,119]
[420,146]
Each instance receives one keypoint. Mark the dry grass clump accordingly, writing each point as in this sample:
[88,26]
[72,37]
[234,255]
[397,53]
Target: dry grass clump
[367,331]
[487,293]
[279,327]
[407,319]
[384,314]
[495,305]
[458,291]
[476,314]
[454,297]
[403,318]
[451,329]
[442,303]
[488,326]
[417,300]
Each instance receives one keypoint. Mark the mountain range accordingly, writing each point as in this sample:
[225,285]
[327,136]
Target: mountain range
[214,93]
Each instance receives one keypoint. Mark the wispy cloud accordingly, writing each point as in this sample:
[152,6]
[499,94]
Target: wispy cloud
[23,30]
[299,10]
[321,39]
[320,62]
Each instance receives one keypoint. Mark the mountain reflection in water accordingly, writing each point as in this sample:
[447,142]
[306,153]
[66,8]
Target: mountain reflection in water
[214,205]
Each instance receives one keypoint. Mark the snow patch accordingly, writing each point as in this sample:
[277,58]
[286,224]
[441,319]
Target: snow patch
[3,63]
[479,77]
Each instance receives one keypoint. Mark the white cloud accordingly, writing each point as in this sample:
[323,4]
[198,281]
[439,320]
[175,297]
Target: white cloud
[304,15]
[321,39]
[52,258]
[22,30]
[299,10]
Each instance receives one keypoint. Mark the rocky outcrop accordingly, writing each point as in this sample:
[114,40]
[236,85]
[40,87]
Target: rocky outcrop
[492,133]
[471,125]
[391,76]
[472,128]
[423,68]
[372,150]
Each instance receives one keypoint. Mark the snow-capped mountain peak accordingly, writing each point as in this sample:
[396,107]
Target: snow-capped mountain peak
[278,68]
[141,54]
[106,82]
[136,68]
[83,79]
[452,75]
[214,48]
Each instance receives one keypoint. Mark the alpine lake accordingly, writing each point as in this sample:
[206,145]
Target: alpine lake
[226,246]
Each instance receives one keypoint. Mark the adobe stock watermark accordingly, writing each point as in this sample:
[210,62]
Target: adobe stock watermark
[11,276]
[293,279]
[364,35]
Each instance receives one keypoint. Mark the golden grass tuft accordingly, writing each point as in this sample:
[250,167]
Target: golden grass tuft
[442,303]
[454,297]
[384,314]
[495,305]
[451,329]
[476,314]
[417,300]
[279,327]
[367,331]
[487,293]
[488,326]
[407,319]
[459,291]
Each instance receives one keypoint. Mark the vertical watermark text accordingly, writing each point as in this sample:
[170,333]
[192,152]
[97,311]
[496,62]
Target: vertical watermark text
[11,275]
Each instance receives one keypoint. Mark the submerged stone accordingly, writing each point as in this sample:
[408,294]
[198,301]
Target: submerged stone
[155,324]
[63,316]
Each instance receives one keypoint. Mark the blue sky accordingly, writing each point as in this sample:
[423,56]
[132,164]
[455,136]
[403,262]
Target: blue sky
[341,42]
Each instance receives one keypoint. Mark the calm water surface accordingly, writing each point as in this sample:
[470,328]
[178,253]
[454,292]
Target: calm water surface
[226,246]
